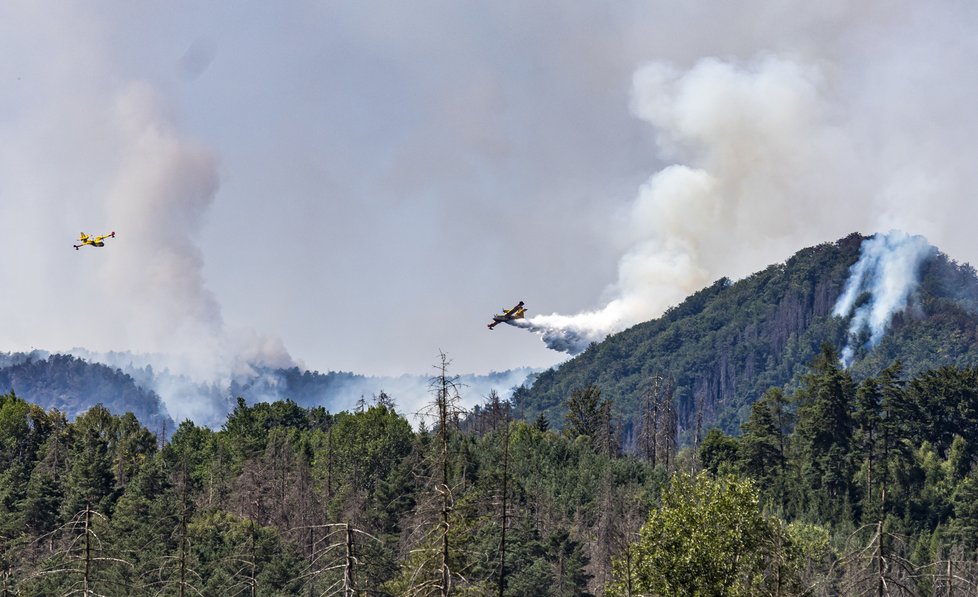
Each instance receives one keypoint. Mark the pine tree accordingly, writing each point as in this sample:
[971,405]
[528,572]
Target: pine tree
[763,445]
[824,434]
[90,483]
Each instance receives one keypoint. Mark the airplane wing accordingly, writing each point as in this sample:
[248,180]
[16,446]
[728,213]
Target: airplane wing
[512,311]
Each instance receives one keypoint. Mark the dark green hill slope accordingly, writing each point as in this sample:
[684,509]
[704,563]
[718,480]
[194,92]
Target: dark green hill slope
[73,385]
[728,343]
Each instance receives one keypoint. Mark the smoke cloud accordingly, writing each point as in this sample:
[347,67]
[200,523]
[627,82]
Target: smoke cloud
[380,146]
[570,334]
[887,270]
[770,150]
[161,191]
[748,136]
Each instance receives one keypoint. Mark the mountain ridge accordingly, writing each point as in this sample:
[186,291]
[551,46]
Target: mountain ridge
[726,344]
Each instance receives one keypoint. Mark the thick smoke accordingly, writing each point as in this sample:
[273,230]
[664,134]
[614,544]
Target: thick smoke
[888,272]
[749,136]
[413,393]
[89,146]
[773,148]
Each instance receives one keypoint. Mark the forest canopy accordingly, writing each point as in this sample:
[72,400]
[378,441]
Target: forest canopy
[834,487]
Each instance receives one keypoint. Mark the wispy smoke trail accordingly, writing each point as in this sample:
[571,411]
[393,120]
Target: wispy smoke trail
[888,271]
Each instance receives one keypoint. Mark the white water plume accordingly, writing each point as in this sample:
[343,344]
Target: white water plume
[887,273]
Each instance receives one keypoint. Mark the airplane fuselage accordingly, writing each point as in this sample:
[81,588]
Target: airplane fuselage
[517,312]
[96,241]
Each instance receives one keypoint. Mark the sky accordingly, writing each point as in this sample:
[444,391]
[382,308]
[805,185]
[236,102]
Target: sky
[359,186]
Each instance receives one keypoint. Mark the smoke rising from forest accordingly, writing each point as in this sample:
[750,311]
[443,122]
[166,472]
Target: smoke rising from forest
[788,147]
[163,186]
[328,169]
[746,136]
[888,271]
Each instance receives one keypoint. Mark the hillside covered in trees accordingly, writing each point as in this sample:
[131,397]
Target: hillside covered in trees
[835,487]
[72,385]
[725,345]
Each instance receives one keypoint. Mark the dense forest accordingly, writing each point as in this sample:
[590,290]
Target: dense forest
[725,345]
[836,486]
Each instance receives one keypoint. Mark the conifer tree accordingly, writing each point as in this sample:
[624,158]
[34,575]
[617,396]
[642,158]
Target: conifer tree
[763,445]
[824,433]
[90,481]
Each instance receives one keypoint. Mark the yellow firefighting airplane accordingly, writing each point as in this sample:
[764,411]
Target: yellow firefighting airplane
[95,241]
[517,312]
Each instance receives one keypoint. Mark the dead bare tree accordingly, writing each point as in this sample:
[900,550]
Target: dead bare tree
[877,565]
[659,423]
[504,492]
[433,539]
[80,559]
[651,413]
[335,558]
[952,573]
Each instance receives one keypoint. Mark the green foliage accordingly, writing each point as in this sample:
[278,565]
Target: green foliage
[234,556]
[583,412]
[823,435]
[718,452]
[708,537]
[763,446]
[590,418]
[90,482]
[730,342]
[284,500]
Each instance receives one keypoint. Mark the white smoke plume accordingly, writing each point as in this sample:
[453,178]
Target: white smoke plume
[413,393]
[564,333]
[145,291]
[90,145]
[163,186]
[772,149]
[888,270]
[749,135]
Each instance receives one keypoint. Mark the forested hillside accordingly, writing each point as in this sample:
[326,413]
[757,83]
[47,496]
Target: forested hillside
[72,385]
[725,345]
[835,487]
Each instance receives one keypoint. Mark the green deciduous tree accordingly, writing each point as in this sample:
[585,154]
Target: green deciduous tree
[708,537]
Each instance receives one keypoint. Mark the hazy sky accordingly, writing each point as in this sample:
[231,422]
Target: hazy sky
[358,185]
